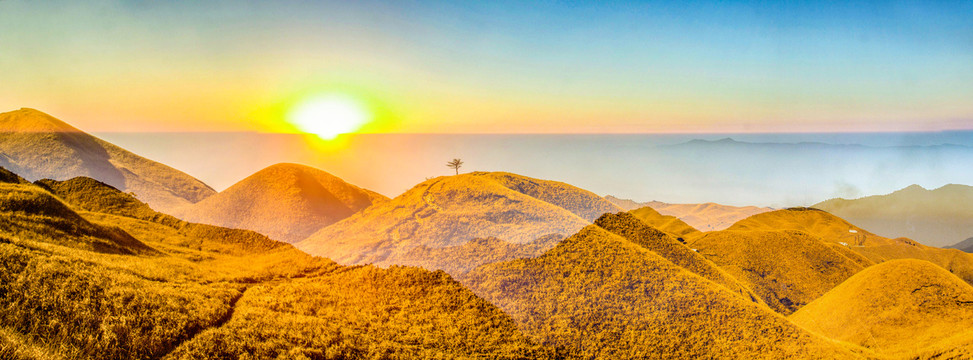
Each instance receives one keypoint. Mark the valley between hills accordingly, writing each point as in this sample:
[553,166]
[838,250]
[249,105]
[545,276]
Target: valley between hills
[105,254]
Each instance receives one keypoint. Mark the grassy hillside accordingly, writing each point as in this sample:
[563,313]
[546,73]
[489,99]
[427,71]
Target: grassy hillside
[832,229]
[451,210]
[36,145]
[598,295]
[457,260]
[633,229]
[287,202]
[207,291]
[28,211]
[900,308]
[937,217]
[787,269]
[385,315]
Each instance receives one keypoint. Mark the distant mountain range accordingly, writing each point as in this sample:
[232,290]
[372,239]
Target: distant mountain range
[287,202]
[37,145]
[965,245]
[939,217]
[704,217]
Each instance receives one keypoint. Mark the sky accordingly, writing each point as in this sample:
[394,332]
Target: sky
[494,66]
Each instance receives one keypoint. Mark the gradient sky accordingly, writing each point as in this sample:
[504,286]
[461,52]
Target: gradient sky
[495,66]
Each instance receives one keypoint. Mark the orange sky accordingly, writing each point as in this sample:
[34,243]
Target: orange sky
[503,68]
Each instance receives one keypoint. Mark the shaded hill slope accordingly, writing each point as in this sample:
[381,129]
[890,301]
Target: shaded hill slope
[36,145]
[937,217]
[704,217]
[898,307]
[598,295]
[217,292]
[449,211]
[29,211]
[287,202]
[832,229]
[667,223]
[787,269]
[633,229]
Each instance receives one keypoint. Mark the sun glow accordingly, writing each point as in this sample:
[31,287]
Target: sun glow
[328,116]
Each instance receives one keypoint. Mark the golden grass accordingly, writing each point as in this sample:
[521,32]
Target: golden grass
[897,308]
[364,313]
[669,224]
[216,292]
[635,230]
[449,211]
[598,295]
[287,202]
[457,260]
[834,230]
[787,269]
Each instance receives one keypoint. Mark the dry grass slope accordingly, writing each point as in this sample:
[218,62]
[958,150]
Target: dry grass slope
[787,269]
[216,292]
[398,313]
[598,295]
[287,202]
[669,224]
[901,308]
[460,259]
[449,211]
[632,228]
[834,230]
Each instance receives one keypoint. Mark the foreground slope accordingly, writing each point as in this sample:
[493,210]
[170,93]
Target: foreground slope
[705,217]
[598,295]
[899,307]
[451,210]
[836,231]
[287,202]
[36,145]
[937,217]
[211,292]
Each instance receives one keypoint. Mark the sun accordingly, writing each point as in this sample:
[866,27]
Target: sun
[329,115]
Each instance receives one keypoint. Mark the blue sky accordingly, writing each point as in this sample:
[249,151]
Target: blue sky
[547,66]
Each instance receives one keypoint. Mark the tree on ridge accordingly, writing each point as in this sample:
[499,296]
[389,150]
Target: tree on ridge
[455,165]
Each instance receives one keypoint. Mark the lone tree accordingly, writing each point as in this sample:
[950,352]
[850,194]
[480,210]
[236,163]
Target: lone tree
[455,165]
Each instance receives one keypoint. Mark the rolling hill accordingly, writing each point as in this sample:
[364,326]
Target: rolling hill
[787,269]
[599,295]
[287,202]
[451,210]
[704,217]
[211,292]
[36,145]
[897,308]
[671,248]
[668,223]
[834,230]
[937,217]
